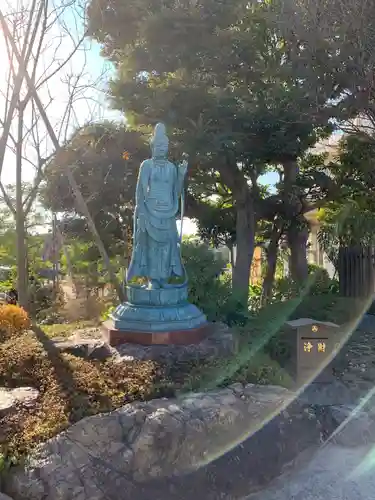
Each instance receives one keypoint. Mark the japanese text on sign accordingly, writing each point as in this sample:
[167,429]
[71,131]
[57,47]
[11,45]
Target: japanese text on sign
[309,346]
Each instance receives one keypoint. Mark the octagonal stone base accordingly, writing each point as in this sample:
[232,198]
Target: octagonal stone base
[142,318]
[115,337]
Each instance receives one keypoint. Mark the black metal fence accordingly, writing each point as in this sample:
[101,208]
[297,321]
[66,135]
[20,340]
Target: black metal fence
[356,269]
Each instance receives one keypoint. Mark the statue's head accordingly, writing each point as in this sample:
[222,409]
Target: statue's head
[159,142]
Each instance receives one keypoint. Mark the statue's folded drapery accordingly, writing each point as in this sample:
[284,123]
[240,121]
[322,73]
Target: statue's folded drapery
[156,250]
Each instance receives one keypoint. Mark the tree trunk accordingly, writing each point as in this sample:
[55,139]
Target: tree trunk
[245,231]
[298,232]
[22,271]
[272,252]
[297,239]
[231,252]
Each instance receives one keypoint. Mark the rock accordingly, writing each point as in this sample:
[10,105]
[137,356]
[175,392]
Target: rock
[7,401]
[4,497]
[334,473]
[334,393]
[367,323]
[353,427]
[145,449]
[26,396]
[221,343]
[84,348]
[11,398]
[342,422]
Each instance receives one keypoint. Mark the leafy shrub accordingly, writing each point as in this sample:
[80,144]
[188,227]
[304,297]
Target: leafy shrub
[210,286]
[13,321]
[322,282]
[261,369]
[107,312]
[329,307]
[248,366]
[8,280]
[319,283]
[255,297]
[44,300]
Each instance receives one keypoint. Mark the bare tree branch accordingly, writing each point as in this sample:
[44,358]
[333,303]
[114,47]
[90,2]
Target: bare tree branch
[25,55]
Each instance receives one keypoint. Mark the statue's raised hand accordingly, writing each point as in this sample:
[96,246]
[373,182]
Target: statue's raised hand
[184,163]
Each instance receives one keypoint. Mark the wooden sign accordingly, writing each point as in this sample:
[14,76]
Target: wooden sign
[315,345]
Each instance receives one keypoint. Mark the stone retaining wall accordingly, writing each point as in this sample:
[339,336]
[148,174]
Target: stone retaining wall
[172,449]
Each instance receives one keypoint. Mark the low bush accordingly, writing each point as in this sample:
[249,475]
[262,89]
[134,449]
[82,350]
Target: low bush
[44,301]
[319,283]
[107,312]
[255,297]
[210,286]
[248,366]
[260,368]
[13,321]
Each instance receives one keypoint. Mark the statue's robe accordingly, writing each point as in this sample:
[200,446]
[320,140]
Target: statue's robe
[156,251]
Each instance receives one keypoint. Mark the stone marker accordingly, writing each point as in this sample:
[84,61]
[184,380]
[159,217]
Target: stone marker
[314,344]
[157,310]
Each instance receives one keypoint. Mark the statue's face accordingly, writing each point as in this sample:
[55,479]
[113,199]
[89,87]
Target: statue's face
[160,150]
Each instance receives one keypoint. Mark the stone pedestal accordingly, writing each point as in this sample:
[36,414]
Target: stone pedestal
[156,316]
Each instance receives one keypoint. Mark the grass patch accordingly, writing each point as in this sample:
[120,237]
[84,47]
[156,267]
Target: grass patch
[70,389]
[68,329]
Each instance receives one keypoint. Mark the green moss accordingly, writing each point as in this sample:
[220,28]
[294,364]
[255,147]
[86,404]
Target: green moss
[68,329]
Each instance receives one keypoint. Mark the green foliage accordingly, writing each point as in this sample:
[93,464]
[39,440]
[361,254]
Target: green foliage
[265,331]
[8,280]
[220,103]
[6,462]
[45,301]
[217,222]
[319,283]
[345,226]
[262,369]
[329,307]
[106,314]
[251,366]
[337,51]
[255,297]
[210,288]
[8,251]
[348,219]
